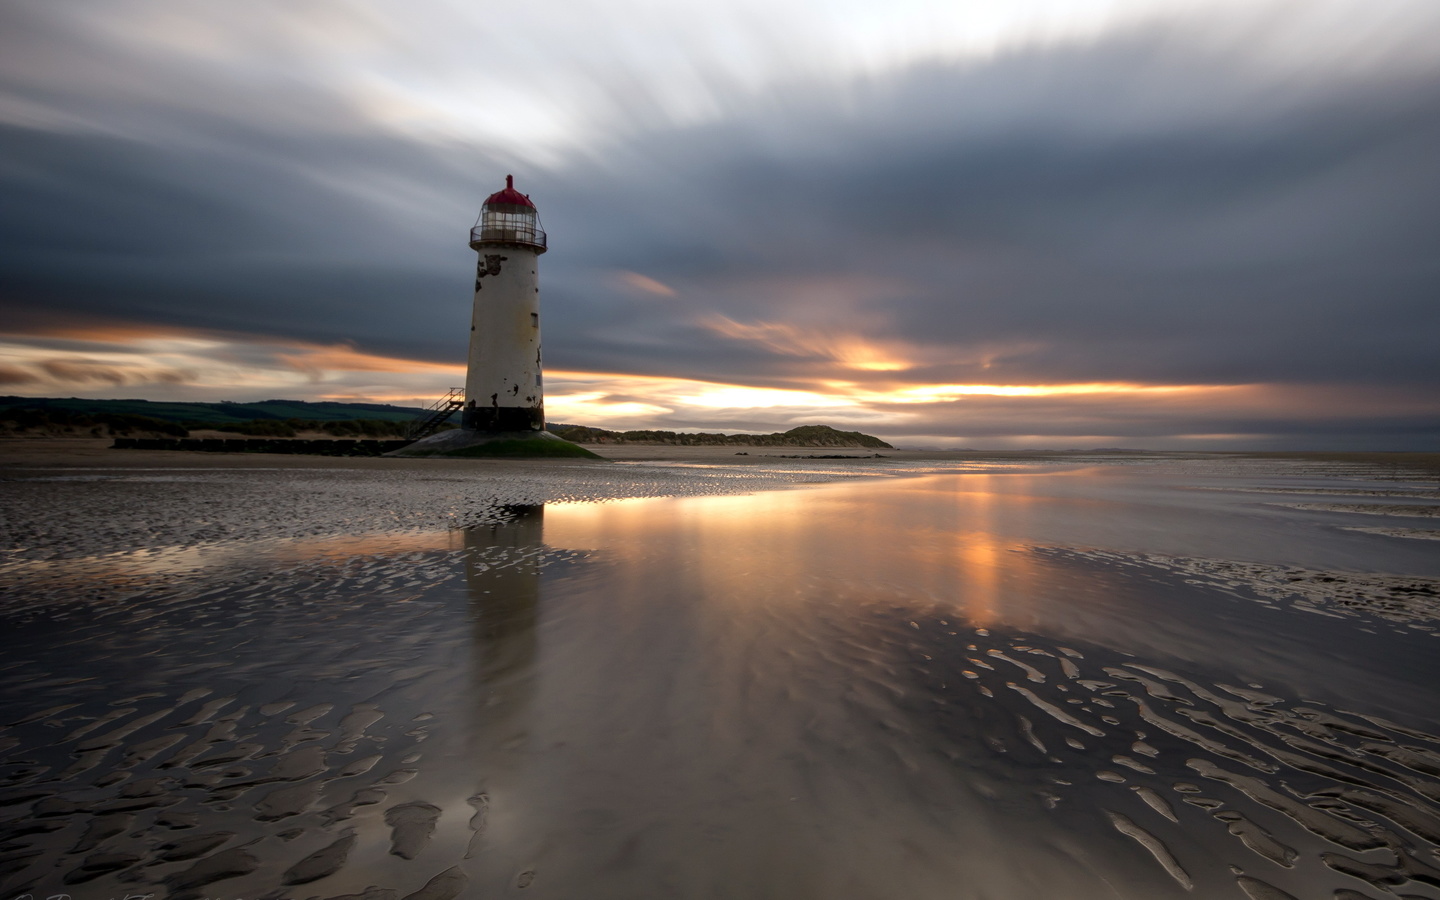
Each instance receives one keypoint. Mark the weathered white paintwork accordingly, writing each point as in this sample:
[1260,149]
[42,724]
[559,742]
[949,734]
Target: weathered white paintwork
[504,367]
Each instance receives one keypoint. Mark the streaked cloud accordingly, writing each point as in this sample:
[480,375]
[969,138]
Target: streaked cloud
[195,365]
[1131,219]
[645,284]
[932,393]
[848,350]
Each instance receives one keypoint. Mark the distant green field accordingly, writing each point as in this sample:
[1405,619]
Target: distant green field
[217,414]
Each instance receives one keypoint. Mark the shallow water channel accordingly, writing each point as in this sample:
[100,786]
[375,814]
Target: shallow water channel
[1085,683]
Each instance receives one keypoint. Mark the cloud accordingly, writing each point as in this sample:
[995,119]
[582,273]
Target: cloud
[14,375]
[645,284]
[1172,197]
[182,364]
[850,351]
[191,365]
[86,373]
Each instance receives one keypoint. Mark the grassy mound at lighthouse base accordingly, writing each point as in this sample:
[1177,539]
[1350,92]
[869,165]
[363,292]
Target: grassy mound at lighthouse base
[525,448]
[461,444]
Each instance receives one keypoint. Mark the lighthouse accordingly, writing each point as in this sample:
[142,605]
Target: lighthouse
[503,384]
[503,413]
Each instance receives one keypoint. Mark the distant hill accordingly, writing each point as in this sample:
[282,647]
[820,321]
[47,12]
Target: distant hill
[804,436]
[215,415]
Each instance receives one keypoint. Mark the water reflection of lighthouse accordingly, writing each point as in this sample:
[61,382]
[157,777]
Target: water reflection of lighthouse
[502,578]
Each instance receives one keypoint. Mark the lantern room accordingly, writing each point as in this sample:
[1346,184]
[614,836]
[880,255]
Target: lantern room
[508,217]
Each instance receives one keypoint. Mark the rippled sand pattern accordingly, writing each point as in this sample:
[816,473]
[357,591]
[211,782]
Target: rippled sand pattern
[358,685]
[1416,534]
[182,791]
[1372,509]
[1179,758]
[1413,602]
[178,789]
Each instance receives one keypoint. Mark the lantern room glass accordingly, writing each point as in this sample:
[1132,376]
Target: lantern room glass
[509,224]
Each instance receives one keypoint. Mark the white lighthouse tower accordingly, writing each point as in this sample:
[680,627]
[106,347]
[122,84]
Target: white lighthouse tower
[503,388]
[504,407]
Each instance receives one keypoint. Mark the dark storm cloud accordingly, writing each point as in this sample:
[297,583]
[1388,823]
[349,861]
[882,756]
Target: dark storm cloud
[1127,210]
[1267,239]
[251,235]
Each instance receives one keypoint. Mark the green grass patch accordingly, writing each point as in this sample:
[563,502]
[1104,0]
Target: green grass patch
[521,448]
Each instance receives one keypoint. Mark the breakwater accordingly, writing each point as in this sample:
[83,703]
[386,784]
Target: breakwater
[301,446]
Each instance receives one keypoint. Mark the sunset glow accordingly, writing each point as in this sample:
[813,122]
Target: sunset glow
[178,364]
[940,392]
[847,349]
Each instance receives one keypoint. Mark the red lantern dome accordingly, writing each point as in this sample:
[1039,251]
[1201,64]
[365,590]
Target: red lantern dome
[508,218]
[509,196]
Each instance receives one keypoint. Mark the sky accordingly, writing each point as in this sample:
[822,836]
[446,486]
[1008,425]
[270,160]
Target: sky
[1139,223]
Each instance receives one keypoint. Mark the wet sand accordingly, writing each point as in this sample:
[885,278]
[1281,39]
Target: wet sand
[687,674]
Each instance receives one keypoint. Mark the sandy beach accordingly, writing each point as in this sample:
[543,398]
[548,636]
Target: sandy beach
[687,673]
[68,452]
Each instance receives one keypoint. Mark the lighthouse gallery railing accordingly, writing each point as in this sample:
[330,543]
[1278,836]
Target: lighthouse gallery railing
[532,236]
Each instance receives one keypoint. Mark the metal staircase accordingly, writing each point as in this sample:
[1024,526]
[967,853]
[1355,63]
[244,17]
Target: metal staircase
[436,414]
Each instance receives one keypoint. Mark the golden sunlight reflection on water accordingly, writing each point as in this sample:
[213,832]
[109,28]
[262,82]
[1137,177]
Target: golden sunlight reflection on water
[770,546]
[862,677]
